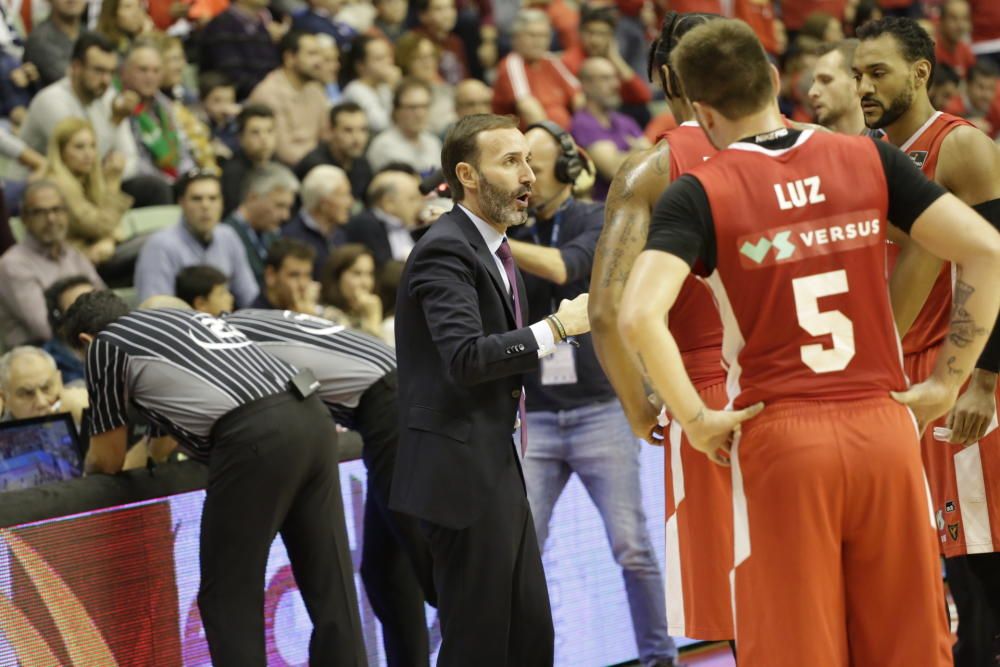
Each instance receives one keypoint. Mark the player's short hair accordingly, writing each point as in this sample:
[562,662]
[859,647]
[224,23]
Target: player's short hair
[462,145]
[914,42]
[92,313]
[197,281]
[846,49]
[985,68]
[282,249]
[675,26]
[722,64]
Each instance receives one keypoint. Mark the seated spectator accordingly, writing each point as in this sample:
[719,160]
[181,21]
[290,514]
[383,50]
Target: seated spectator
[293,92]
[349,288]
[417,57]
[164,149]
[13,148]
[472,96]
[241,43]
[92,189]
[197,238]
[175,65]
[326,207]
[390,19]
[436,21]
[952,44]
[219,111]
[267,204]
[823,28]
[60,295]
[121,21]
[38,260]
[344,147]
[31,386]
[319,17]
[367,79]
[19,82]
[980,104]
[329,54]
[944,86]
[257,146]
[532,83]
[607,135]
[408,140]
[385,227]
[50,43]
[204,288]
[288,281]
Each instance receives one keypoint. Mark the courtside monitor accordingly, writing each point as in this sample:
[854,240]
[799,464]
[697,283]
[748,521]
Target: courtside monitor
[39,451]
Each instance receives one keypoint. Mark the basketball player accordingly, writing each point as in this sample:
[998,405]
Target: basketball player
[834,551]
[833,94]
[698,494]
[893,65]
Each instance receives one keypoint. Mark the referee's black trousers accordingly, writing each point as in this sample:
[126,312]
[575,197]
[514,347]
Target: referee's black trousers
[974,582]
[395,557]
[272,470]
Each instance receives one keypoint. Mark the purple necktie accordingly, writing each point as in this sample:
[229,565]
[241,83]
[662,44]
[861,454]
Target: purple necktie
[503,252]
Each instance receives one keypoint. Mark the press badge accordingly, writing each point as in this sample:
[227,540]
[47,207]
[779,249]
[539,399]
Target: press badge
[560,366]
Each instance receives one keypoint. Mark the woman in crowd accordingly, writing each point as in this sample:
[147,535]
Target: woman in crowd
[92,190]
[417,57]
[122,21]
[368,77]
[348,284]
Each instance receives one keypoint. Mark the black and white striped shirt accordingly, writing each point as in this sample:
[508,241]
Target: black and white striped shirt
[345,362]
[182,370]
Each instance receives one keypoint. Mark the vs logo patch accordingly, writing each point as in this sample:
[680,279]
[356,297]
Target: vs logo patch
[949,506]
[953,531]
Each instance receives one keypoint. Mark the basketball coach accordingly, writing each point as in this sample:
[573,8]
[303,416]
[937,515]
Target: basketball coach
[462,346]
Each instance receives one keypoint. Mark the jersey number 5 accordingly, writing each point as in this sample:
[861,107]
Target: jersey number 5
[808,291]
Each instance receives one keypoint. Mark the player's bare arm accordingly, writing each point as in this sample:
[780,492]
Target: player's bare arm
[959,235]
[633,193]
[650,292]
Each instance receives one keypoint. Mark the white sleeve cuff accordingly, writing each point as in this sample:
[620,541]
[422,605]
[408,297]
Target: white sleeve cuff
[544,337]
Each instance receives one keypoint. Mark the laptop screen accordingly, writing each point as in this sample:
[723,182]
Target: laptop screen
[38,451]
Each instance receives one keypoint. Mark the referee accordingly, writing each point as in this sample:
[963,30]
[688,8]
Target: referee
[271,467]
[357,381]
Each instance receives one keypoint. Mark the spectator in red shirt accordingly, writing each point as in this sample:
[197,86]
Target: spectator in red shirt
[981,102]
[944,86]
[760,16]
[437,20]
[986,28]
[597,40]
[563,17]
[531,82]
[952,47]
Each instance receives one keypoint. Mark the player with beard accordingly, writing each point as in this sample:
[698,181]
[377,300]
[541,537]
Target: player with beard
[462,344]
[699,536]
[834,94]
[893,65]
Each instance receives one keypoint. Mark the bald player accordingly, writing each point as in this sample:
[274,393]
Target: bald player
[834,94]
[698,493]
[893,65]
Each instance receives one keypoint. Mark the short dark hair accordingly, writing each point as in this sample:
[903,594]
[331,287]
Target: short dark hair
[462,145]
[914,42]
[87,40]
[354,56]
[944,74]
[92,313]
[283,248]
[52,294]
[342,108]
[292,42]
[212,80]
[984,67]
[253,110]
[406,85]
[722,64]
[197,281]
[846,49]
[675,26]
[598,14]
[184,183]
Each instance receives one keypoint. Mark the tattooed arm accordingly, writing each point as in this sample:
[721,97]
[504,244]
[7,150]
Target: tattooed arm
[627,212]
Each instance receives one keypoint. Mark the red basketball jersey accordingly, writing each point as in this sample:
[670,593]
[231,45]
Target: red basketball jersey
[800,274]
[931,325]
[694,319]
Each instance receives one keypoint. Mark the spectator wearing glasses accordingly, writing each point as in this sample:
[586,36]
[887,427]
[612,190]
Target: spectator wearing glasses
[408,140]
[42,257]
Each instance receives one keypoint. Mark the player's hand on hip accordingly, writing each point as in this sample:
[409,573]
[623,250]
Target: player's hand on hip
[972,414]
[573,315]
[927,400]
[712,431]
[645,422]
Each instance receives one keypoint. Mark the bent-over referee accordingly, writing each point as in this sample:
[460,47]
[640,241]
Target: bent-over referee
[272,464]
[357,381]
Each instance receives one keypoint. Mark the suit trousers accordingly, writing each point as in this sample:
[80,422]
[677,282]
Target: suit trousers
[493,601]
[395,556]
[273,469]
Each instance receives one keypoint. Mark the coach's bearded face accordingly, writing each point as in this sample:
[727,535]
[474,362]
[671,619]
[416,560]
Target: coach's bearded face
[892,99]
[505,207]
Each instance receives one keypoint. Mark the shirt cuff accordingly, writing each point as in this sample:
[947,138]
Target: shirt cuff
[544,337]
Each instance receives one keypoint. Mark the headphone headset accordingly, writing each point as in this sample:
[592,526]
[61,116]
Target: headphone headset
[569,164]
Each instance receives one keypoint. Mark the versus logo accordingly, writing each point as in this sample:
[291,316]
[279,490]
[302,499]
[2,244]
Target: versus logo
[758,251]
[812,238]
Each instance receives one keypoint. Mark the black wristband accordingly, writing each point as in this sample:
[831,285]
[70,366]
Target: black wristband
[989,360]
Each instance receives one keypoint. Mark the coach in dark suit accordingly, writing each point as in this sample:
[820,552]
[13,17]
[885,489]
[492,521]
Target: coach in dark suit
[462,346]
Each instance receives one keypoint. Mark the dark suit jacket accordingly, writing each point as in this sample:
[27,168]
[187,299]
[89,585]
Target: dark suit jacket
[460,362]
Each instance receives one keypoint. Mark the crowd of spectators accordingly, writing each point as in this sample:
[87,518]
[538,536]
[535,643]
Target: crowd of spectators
[285,148]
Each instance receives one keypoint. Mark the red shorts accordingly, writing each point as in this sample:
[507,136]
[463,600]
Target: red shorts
[964,481]
[836,558]
[699,535]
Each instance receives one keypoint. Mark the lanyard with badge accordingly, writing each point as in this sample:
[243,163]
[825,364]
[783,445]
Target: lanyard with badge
[560,366]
